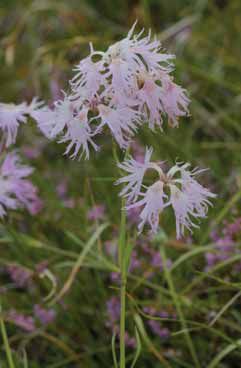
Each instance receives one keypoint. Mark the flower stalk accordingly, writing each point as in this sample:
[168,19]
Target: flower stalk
[5,341]
[122,263]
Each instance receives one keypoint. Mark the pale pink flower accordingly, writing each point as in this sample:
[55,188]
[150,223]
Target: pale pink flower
[121,61]
[153,203]
[122,77]
[192,200]
[150,51]
[183,209]
[45,118]
[177,188]
[195,191]
[136,171]
[79,134]
[174,100]
[53,121]
[11,116]
[63,115]
[88,79]
[121,121]
[69,124]
[138,52]
[150,102]
[34,105]
[16,191]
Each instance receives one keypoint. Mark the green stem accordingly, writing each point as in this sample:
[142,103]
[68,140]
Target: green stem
[5,342]
[122,262]
[179,310]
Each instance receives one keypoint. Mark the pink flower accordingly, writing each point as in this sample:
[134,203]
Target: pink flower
[88,79]
[53,121]
[121,121]
[150,51]
[11,116]
[138,52]
[174,100]
[15,190]
[198,194]
[183,209]
[177,188]
[68,123]
[149,96]
[44,118]
[80,136]
[136,171]
[153,203]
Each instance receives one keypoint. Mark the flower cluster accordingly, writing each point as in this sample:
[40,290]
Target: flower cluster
[177,188]
[16,191]
[120,89]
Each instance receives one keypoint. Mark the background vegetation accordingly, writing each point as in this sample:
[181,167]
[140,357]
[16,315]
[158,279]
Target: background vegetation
[63,246]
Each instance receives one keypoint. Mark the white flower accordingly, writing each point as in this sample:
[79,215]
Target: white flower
[121,121]
[153,203]
[136,171]
[79,134]
[88,79]
[11,116]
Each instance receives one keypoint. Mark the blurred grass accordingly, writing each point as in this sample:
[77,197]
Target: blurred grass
[40,43]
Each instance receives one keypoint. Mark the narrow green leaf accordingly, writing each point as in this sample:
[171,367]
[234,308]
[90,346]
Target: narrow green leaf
[138,348]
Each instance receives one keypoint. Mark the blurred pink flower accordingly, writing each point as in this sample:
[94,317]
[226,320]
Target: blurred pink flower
[15,190]
[21,276]
[45,316]
[69,202]
[25,322]
[62,188]
[31,152]
[97,212]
